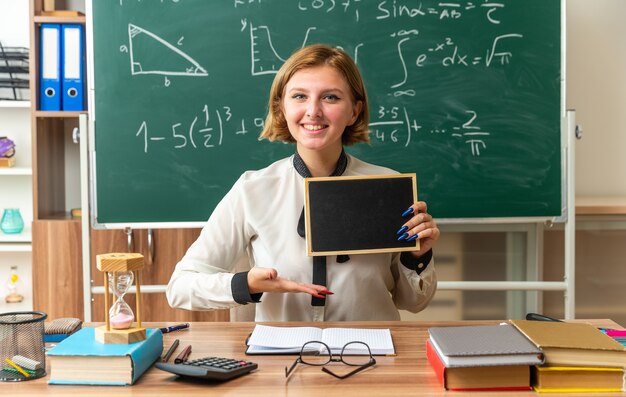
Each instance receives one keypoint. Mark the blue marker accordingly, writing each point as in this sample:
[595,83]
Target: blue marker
[176,327]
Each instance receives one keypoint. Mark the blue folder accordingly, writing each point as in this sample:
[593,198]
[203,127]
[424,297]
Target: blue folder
[73,67]
[50,67]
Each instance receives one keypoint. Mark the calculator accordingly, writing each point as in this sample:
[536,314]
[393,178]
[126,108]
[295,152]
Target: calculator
[212,368]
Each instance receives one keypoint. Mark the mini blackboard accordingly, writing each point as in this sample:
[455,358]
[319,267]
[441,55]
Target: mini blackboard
[358,214]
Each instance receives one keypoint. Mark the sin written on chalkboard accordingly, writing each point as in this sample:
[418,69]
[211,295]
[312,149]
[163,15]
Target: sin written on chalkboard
[358,214]
[465,94]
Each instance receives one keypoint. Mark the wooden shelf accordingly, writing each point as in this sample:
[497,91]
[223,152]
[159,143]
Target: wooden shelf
[601,205]
[56,236]
[59,19]
[45,113]
[59,216]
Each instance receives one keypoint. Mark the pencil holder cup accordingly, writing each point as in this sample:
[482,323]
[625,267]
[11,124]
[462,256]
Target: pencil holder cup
[22,350]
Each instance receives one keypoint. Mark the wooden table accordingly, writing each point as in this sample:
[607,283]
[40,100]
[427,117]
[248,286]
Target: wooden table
[406,374]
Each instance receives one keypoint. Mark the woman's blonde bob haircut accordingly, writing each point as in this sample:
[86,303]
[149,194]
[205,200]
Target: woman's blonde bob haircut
[275,128]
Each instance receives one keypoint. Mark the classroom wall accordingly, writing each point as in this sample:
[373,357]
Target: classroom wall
[13,31]
[596,89]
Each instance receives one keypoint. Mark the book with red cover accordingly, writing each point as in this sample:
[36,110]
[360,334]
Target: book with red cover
[485,378]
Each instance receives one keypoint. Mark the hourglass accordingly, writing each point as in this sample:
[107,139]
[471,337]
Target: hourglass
[120,269]
[120,315]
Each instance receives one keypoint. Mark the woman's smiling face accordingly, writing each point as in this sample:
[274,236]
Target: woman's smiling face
[318,106]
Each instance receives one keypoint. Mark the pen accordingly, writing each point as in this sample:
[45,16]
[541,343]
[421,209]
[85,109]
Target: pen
[182,357]
[541,317]
[176,327]
[609,331]
[170,350]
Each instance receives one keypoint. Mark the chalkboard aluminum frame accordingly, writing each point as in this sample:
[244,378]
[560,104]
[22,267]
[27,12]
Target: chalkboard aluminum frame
[388,208]
[98,223]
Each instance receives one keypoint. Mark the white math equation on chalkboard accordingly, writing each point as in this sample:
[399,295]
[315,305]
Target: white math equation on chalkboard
[212,128]
[268,61]
[215,127]
[385,9]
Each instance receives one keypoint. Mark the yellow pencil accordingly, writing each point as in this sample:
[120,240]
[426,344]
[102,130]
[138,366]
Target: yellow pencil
[17,367]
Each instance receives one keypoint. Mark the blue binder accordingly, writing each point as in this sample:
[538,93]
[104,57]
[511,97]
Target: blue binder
[50,67]
[73,67]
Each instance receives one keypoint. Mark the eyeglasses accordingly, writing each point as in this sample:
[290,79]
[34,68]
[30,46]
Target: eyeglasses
[319,354]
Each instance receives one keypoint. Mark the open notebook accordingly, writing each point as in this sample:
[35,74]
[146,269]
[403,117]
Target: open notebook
[289,340]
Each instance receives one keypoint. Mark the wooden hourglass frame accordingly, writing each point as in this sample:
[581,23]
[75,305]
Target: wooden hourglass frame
[120,262]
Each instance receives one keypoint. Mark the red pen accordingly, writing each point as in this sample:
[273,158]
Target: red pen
[183,355]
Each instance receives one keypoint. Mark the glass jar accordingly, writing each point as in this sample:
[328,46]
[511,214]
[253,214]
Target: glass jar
[13,285]
[12,222]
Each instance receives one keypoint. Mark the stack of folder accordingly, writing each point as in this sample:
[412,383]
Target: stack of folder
[62,67]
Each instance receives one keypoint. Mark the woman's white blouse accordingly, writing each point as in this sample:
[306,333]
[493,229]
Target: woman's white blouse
[259,217]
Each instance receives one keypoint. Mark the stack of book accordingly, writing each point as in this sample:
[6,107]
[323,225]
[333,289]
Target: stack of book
[487,357]
[578,357]
[7,152]
[522,354]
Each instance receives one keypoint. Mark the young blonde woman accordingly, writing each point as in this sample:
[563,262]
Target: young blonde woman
[318,102]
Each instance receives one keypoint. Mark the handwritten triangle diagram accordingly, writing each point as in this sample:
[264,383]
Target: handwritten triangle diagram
[150,54]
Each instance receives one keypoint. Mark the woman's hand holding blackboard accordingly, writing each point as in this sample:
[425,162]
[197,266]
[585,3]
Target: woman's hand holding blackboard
[422,226]
[262,279]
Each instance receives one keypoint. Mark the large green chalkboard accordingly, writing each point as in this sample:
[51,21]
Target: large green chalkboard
[467,95]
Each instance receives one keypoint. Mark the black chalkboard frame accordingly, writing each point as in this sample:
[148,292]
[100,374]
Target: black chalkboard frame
[358,214]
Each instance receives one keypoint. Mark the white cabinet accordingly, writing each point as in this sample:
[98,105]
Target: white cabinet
[16,192]
[16,183]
